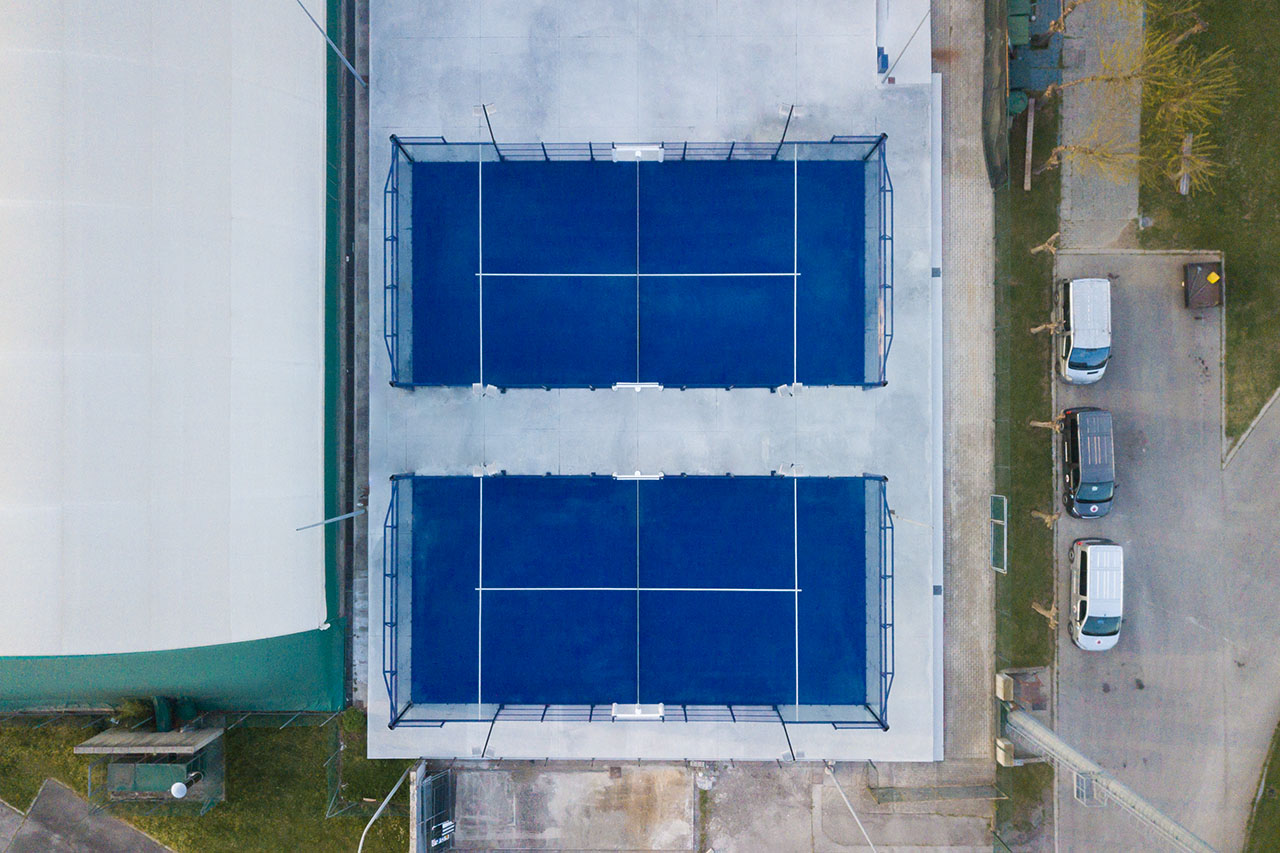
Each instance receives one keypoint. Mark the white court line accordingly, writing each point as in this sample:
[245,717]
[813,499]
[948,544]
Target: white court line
[638,274]
[637,380]
[630,589]
[480,602]
[795,540]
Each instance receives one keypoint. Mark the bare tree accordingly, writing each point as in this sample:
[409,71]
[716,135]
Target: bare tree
[1147,63]
[1180,109]
[1196,93]
[1170,16]
[1098,152]
[1172,161]
[1050,245]
[1047,517]
[1059,24]
[1126,8]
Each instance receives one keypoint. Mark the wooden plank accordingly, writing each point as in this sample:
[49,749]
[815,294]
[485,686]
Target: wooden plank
[128,742]
[1031,129]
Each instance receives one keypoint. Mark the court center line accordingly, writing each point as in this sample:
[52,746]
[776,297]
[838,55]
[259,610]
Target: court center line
[632,589]
[638,274]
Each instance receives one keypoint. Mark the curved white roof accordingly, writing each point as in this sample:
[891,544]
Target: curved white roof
[161,341]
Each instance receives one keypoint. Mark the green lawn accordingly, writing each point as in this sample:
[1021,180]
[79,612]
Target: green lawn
[1022,819]
[1024,455]
[276,789]
[1241,217]
[1264,823]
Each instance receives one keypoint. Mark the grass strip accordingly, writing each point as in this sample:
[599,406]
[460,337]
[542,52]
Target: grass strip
[1024,455]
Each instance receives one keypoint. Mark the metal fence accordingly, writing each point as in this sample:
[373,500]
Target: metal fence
[431,799]
[398,224]
[884,604]
[397,626]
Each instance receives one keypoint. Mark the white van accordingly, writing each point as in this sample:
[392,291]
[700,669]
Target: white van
[1097,593]
[1085,342]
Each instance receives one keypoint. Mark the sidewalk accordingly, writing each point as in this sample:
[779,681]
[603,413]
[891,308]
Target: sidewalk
[969,385]
[1098,210]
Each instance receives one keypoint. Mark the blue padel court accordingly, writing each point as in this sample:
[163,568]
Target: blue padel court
[687,273]
[697,590]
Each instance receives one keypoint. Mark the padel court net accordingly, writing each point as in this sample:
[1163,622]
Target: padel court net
[704,597]
[678,264]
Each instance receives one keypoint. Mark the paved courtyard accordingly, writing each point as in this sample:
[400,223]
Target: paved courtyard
[1183,709]
[739,808]
[622,71]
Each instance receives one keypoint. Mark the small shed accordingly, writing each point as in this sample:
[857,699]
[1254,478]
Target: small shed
[175,766]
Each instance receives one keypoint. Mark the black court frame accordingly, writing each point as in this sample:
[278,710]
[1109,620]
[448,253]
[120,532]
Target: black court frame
[397,206]
[397,627]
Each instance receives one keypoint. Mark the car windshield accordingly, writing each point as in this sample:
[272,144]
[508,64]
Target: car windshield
[1101,626]
[1088,359]
[1095,492]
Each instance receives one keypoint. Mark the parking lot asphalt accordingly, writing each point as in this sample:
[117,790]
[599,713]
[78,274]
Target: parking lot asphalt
[1183,708]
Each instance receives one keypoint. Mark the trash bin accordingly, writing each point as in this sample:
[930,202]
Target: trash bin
[1202,285]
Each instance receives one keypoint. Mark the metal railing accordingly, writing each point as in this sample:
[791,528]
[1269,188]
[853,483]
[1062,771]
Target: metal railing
[390,601]
[1106,786]
[886,603]
[872,713]
[885,251]
[391,266]
[404,149]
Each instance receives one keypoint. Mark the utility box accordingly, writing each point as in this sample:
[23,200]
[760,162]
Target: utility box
[1202,284]
[1005,753]
[127,778]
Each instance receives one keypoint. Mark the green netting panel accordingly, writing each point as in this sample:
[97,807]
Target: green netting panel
[295,672]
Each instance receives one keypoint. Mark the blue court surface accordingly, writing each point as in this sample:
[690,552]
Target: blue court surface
[689,273]
[684,590]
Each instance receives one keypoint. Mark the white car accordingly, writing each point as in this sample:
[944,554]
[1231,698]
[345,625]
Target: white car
[1084,345]
[1097,593]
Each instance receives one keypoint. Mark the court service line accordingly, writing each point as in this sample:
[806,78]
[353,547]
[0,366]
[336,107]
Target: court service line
[632,589]
[795,540]
[638,274]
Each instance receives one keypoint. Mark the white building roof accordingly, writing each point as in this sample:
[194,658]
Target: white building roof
[161,341]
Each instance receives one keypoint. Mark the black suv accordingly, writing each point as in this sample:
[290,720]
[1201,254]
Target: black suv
[1088,462]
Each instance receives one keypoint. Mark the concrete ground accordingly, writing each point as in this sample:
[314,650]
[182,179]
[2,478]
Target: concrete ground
[745,807]
[575,807]
[10,821]
[799,808]
[1183,709]
[622,71]
[967,244]
[1099,208]
[61,821]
